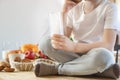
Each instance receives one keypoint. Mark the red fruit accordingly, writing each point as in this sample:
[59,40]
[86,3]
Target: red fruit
[29,55]
[42,55]
[46,57]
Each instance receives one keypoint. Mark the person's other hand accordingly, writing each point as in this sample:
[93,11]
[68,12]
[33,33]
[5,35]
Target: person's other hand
[62,42]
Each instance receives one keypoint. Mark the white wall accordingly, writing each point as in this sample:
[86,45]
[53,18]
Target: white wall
[24,21]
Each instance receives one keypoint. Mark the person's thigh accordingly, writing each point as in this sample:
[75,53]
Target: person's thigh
[96,60]
[59,55]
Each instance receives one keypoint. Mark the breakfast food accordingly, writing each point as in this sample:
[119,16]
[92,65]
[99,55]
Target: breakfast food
[30,55]
[30,47]
[1,68]
[5,66]
[30,50]
[9,69]
[17,59]
[23,65]
[15,51]
[11,52]
[42,55]
[26,60]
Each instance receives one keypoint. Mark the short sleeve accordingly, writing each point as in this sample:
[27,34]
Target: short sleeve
[69,18]
[111,17]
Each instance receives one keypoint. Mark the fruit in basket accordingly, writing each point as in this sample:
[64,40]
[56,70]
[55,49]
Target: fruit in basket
[29,55]
[30,47]
[42,55]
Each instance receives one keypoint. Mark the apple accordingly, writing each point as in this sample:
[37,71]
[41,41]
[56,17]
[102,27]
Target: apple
[29,55]
[42,55]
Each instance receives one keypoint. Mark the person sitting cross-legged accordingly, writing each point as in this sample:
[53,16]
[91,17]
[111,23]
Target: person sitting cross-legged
[93,24]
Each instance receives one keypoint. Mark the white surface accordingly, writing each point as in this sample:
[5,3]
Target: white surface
[24,21]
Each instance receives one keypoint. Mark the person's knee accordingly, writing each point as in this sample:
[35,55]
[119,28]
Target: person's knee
[45,43]
[103,57]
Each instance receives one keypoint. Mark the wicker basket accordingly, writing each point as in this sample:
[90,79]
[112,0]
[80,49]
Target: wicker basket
[23,66]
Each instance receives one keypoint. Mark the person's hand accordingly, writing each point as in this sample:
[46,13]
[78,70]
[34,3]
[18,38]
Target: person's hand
[62,42]
[68,5]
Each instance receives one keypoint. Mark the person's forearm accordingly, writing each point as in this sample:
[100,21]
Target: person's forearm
[84,47]
[108,42]
[69,4]
[67,30]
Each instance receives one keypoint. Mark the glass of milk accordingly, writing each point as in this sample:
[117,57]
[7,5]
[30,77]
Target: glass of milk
[56,23]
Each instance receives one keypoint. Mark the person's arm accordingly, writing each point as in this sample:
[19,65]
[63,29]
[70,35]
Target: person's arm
[69,4]
[109,35]
[64,43]
[108,42]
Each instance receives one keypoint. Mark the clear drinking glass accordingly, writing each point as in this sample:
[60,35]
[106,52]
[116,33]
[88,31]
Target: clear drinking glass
[56,23]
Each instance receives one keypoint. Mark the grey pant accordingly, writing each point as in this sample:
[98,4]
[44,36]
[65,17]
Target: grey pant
[96,60]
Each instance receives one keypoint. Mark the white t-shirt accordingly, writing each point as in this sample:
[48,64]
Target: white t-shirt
[91,28]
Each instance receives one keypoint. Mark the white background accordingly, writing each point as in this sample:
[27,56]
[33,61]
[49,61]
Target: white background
[24,21]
